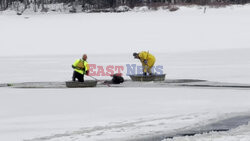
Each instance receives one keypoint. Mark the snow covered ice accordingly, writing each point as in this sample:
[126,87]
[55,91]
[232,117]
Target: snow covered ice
[188,43]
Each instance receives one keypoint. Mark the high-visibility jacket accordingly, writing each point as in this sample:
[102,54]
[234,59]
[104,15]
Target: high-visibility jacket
[148,57]
[81,66]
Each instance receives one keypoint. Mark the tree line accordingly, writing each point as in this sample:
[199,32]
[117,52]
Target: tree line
[100,4]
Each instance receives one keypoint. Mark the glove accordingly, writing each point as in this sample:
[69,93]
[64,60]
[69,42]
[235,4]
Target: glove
[145,62]
[73,67]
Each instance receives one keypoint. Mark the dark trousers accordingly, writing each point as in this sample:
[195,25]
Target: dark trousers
[78,76]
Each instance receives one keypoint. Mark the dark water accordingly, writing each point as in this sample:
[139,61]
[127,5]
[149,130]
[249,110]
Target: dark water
[194,83]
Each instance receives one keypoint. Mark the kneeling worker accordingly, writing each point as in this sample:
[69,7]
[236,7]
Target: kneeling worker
[80,67]
[147,60]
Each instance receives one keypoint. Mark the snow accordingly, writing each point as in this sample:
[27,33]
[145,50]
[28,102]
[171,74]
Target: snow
[187,29]
[231,65]
[34,113]
[188,43]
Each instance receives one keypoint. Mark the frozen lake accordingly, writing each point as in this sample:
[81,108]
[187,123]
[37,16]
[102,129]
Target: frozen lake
[188,44]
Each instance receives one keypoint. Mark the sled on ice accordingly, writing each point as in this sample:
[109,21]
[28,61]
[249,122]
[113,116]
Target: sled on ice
[155,77]
[86,83]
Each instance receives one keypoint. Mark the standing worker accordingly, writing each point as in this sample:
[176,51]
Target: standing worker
[147,60]
[81,68]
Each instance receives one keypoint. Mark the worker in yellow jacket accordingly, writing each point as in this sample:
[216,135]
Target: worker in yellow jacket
[147,60]
[81,68]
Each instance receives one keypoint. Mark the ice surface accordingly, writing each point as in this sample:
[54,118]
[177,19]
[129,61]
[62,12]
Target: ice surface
[185,30]
[112,113]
